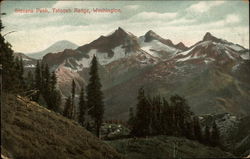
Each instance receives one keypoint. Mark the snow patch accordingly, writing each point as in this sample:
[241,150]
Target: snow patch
[209,60]
[236,47]
[103,58]
[186,52]
[235,67]
[245,56]
[157,46]
[229,55]
[25,59]
[30,66]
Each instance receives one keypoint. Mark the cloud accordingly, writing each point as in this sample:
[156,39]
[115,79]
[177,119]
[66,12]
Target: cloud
[232,18]
[204,6]
[84,28]
[67,4]
[153,16]
[132,7]
[17,19]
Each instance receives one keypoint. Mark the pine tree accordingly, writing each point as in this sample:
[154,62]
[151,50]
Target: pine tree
[38,81]
[46,82]
[42,69]
[95,96]
[67,108]
[73,89]
[182,113]
[189,131]
[215,135]
[141,125]
[30,81]
[206,137]
[20,72]
[57,99]
[82,107]
[8,64]
[131,117]
[155,115]
[53,81]
[197,129]
[166,118]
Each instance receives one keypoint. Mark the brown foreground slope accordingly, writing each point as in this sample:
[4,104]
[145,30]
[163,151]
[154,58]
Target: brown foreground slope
[30,131]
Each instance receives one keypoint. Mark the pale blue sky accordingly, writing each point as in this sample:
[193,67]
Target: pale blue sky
[185,21]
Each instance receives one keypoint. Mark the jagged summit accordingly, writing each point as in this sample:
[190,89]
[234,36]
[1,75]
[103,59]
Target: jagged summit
[120,32]
[181,46]
[209,37]
[151,35]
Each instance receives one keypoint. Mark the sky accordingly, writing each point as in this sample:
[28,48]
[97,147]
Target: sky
[180,21]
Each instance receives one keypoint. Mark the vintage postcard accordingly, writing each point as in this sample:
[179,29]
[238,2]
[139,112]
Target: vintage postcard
[125,79]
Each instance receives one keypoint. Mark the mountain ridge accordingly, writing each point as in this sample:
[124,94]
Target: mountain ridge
[161,69]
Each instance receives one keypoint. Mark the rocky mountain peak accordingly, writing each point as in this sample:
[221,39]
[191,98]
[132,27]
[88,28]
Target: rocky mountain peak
[120,32]
[209,37]
[181,46]
[150,35]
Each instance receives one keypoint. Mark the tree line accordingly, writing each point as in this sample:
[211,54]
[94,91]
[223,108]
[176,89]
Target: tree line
[91,106]
[43,83]
[41,86]
[156,116]
[11,67]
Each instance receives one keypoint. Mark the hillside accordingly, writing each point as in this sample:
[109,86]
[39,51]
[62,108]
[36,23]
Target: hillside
[162,147]
[31,131]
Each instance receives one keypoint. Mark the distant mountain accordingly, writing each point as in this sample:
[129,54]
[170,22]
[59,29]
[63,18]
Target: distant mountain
[56,47]
[212,74]
[214,49]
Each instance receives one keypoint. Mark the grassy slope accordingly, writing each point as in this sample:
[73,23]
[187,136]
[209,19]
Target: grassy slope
[162,147]
[31,131]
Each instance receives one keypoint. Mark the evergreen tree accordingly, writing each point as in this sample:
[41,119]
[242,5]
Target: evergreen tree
[155,116]
[207,135]
[9,72]
[181,113]
[197,129]
[95,96]
[20,71]
[142,119]
[38,81]
[30,81]
[166,121]
[82,107]
[52,95]
[131,117]
[46,76]
[69,105]
[73,109]
[42,69]
[189,131]
[56,100]
[67,108]
[215,135]
[53,81]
